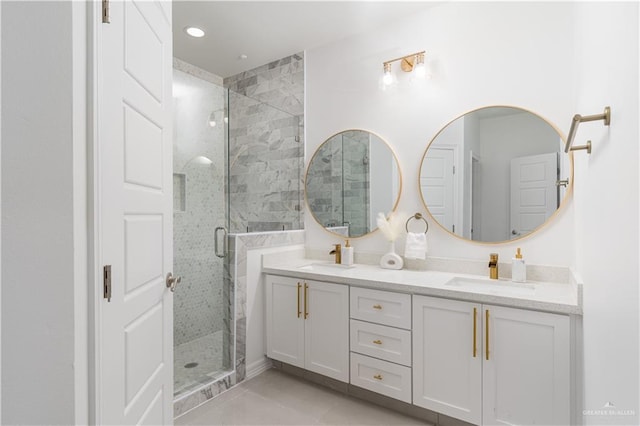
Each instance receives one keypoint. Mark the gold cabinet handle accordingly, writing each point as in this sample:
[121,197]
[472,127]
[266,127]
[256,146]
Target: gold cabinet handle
[377,342]
[298,300]
[378,377]
[306,301]
[475,331]
[486,333]
[377,306]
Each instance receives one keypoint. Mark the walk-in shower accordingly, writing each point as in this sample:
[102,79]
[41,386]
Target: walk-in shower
[237,166]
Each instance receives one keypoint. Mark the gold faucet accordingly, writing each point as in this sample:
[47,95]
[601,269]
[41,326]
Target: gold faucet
[493,266]
[338,252]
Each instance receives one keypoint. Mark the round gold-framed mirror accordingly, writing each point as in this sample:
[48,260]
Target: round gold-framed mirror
[352,176]
[495,174]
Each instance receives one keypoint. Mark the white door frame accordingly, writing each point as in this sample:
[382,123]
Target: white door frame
[0,216]
[470,226]
[81,209]
[93,172]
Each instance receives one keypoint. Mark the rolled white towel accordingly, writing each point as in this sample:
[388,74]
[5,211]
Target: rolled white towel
[415,246]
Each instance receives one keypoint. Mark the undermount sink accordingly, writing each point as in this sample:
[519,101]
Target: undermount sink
[491,286]
[324,267]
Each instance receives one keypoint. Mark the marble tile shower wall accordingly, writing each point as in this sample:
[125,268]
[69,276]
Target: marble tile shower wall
[266,146]
[325,183]
[199,205]
[339,182]
[355,158]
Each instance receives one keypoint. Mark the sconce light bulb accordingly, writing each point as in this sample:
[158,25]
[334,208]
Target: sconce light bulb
[420,70]
[387,78]
[212,120]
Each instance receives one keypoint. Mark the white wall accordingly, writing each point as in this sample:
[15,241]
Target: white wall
[473,64]
[606,207]
[42,189]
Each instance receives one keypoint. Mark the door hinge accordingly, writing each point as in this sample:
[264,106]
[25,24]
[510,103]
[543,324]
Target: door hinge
[454,170]
[106,282]
[453,227]
[105,12]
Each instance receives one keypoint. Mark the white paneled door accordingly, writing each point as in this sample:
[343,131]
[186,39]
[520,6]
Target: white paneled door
[134,345]
[437,184]
[534,193]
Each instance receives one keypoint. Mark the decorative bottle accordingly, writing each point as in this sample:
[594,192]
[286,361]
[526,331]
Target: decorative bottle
[518,268]
[347,254]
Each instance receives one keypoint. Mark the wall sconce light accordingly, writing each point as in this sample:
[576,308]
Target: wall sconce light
[413,62]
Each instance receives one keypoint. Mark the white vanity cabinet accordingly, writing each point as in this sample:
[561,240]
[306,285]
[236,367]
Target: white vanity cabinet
[491,365]
[308,325]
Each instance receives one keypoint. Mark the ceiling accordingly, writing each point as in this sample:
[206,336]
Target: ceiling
[265,31]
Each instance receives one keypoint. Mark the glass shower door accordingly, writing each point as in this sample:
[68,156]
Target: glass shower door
[203,320]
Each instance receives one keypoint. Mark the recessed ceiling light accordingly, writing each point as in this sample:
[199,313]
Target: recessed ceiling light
[242,57]
[194,32]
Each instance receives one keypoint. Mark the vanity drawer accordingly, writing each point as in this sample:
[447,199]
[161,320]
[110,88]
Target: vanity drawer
[380,341]
[383,377]
[382,307]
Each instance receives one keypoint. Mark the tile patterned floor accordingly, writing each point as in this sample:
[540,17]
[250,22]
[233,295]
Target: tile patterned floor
[206,352]
[276,398]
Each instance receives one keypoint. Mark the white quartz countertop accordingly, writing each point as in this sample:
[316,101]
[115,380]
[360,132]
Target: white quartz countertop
[551,297]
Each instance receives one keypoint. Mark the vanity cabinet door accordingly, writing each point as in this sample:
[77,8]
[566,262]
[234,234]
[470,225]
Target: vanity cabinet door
[526,377]
[308,325]
[447,357]
[285,319]
[327,329]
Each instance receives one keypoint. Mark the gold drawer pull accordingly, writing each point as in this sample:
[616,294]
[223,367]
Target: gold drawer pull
[378,377]
[377,306]
[377,342]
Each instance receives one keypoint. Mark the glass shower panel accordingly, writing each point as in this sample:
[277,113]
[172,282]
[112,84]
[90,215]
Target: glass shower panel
[266,160]
[203,308]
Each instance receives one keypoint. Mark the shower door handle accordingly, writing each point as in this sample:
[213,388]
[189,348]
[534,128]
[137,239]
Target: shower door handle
[224,241]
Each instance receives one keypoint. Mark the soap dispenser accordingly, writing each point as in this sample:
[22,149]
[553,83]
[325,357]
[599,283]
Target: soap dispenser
[347,254]
[518,268]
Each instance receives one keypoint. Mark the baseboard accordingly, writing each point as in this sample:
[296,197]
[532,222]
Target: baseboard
[258,367]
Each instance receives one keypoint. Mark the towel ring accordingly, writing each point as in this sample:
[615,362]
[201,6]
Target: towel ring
[417,216]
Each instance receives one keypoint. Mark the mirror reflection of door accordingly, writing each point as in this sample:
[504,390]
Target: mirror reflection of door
[534,193]
[437,184]
[479,204]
